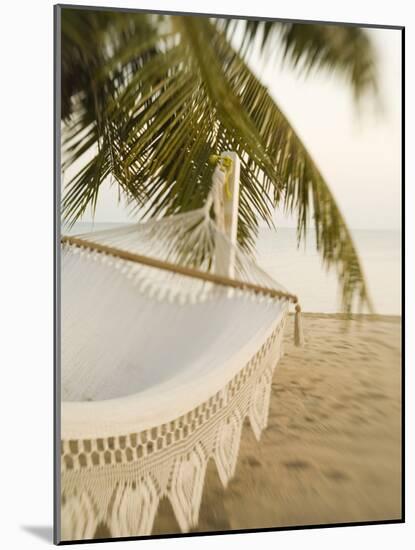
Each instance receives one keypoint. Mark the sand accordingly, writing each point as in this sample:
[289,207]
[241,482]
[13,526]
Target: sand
[332,449]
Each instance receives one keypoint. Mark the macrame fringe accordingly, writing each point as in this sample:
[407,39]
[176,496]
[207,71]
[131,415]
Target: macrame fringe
[298,327]
[104,482]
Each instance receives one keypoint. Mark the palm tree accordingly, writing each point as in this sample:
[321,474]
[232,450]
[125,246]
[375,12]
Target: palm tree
[149,97]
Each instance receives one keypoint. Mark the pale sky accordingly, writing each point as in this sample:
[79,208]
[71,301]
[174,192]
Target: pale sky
[359,153]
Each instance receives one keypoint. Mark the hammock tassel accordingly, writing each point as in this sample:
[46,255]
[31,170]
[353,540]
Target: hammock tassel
[298,327]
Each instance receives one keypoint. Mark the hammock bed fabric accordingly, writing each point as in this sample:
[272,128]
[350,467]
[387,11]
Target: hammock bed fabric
[159,370]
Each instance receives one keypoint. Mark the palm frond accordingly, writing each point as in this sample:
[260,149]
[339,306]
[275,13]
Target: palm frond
[344,50]
[305,192]
[160,102]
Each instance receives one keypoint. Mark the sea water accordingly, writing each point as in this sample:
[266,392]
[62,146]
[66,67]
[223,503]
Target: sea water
[300,269]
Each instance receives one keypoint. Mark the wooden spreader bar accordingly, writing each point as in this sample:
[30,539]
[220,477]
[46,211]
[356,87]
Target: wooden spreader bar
[181,270]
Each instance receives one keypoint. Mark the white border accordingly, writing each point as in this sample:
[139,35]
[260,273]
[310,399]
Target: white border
[26,268]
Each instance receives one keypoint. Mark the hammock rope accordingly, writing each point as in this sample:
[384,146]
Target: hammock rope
[181,270]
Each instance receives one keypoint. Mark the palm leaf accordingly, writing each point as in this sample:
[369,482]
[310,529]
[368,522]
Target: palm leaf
[160,104]
[344,50]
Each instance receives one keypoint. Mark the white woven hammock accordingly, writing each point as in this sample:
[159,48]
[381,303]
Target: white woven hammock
[159,369]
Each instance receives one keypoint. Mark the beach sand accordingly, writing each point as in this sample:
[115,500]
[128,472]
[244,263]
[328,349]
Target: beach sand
[332,450]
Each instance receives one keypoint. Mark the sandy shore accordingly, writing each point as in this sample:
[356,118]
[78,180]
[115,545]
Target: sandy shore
[331,452]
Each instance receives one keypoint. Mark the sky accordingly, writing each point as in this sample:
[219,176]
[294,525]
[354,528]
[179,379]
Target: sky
[358,152]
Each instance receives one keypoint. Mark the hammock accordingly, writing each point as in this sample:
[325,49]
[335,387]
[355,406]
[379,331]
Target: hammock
[170,335]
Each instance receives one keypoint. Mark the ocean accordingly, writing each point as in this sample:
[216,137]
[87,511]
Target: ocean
[300,270]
